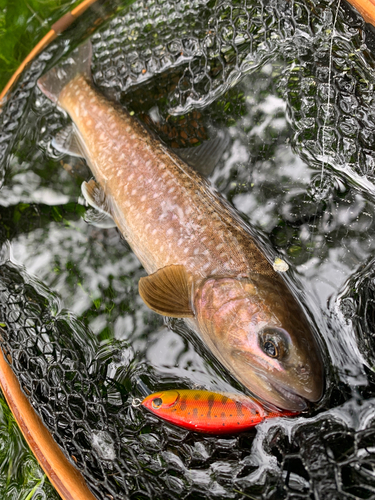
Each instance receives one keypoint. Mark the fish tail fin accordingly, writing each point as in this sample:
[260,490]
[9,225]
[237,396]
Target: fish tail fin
[79,63]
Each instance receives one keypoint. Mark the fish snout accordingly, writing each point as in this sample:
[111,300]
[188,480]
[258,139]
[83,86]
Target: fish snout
[310,381]
[304,384]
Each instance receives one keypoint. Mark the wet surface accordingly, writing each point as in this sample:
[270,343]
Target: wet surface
[299,167]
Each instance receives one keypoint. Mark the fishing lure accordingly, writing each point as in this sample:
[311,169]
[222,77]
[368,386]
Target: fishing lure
[208,412]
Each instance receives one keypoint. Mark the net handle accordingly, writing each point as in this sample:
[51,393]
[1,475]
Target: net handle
[366,8]
[58,27]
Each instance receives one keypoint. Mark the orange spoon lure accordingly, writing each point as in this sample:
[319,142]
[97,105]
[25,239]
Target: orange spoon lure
[209,412]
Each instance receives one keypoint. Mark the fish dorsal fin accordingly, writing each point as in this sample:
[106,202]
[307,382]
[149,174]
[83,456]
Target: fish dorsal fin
[206,156]
[67,141]
[96,197]
[168,292]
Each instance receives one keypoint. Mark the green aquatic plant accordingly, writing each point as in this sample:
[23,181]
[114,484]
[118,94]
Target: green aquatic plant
[22,25]
[20,475]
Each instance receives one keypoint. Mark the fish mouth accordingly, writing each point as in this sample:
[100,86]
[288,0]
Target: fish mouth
[290,400]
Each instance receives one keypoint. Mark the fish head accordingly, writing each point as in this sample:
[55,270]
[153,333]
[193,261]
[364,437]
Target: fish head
[257,329]
[161,402]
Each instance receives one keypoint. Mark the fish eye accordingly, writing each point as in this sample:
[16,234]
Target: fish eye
[270,348]
[274,342]
[157,402]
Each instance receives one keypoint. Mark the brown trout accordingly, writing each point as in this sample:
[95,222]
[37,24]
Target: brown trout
[202,261]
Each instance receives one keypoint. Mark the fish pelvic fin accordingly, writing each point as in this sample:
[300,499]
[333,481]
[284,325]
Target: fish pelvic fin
[168,292]
[101,213]
[79,63]
[96,197]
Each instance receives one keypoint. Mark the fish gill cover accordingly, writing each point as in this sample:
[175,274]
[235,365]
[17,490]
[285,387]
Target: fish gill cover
[292,83]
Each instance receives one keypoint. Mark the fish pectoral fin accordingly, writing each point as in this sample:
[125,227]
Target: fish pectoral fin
[96,197]
[168,292]
[99,219]
[68,142]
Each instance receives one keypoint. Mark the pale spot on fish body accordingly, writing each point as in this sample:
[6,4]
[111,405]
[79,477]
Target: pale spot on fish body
[134,192]
[149,211]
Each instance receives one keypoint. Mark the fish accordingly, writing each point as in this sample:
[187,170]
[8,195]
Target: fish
[209,412]
[203,262]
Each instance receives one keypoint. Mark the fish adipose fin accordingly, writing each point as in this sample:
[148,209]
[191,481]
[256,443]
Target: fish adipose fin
[79,63]
[168,292]
[96,198]
[67,141]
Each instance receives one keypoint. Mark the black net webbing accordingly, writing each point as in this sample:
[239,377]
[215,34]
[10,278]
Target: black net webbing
[84,394]
[291,83]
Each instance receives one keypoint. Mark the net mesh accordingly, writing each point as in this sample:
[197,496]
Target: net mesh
[271,73]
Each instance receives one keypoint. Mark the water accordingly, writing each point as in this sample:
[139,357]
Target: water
[292,88]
